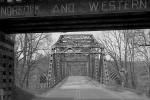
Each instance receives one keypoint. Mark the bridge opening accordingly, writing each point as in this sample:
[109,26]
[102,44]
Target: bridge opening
[76,54]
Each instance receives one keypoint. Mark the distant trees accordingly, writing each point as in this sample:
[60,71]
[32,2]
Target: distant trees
[28,47]
[112,44]
[143,51]
[120,46]
[125,47]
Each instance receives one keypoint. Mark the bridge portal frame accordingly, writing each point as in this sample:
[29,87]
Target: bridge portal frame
[78,44]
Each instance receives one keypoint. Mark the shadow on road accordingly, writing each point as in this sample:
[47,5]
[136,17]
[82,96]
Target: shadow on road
[55,98]
[19,94]
[67,98]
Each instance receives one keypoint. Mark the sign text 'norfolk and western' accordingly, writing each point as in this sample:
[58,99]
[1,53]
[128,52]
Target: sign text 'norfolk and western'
[72,7]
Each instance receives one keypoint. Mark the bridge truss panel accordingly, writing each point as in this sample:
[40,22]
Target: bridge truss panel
[79,48]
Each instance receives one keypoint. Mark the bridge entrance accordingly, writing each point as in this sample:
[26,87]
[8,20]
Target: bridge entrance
[77,68]
[77,63]
[77,55]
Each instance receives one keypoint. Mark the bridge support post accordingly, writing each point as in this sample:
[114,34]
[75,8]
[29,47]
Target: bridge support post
[106,73]
[58,67]
[6,67]
[102,68]
[96,67]
[50,71]
[91,66]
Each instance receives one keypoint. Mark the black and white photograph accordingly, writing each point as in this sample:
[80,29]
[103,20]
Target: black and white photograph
[74,49]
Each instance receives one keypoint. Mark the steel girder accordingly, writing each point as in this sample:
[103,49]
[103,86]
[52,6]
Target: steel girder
[77,46]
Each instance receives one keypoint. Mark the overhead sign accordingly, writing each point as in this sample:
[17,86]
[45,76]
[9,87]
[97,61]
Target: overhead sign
[40,8]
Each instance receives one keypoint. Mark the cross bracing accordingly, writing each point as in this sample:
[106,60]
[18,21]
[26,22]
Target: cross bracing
[81,53]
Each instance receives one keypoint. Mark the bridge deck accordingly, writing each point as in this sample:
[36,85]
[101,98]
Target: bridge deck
[83,88]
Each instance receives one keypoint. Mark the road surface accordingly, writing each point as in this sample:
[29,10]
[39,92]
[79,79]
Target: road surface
[83,88]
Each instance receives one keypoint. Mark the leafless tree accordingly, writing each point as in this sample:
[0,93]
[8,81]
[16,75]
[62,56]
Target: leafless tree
[143,51]
[26,54]
[120,47]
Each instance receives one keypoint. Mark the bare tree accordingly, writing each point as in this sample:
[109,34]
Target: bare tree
[120,46]
[112,43]
[143,51]
[27,51]
[130,49]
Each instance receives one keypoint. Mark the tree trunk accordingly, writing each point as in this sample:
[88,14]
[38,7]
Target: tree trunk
[24,61]
[125,58]
[133,83]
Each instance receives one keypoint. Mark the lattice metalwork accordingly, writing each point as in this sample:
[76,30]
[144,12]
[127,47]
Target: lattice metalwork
[78,42]
[58,67]
[6,66]
[50,72]
[96,66]
[106,72]
[77,48]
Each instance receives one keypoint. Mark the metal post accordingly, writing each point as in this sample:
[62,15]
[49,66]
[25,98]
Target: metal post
[102,67]
[6,64]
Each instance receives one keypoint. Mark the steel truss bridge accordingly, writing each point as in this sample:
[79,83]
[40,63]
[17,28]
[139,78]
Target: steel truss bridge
[77,54]
[72,54]
[77,70]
